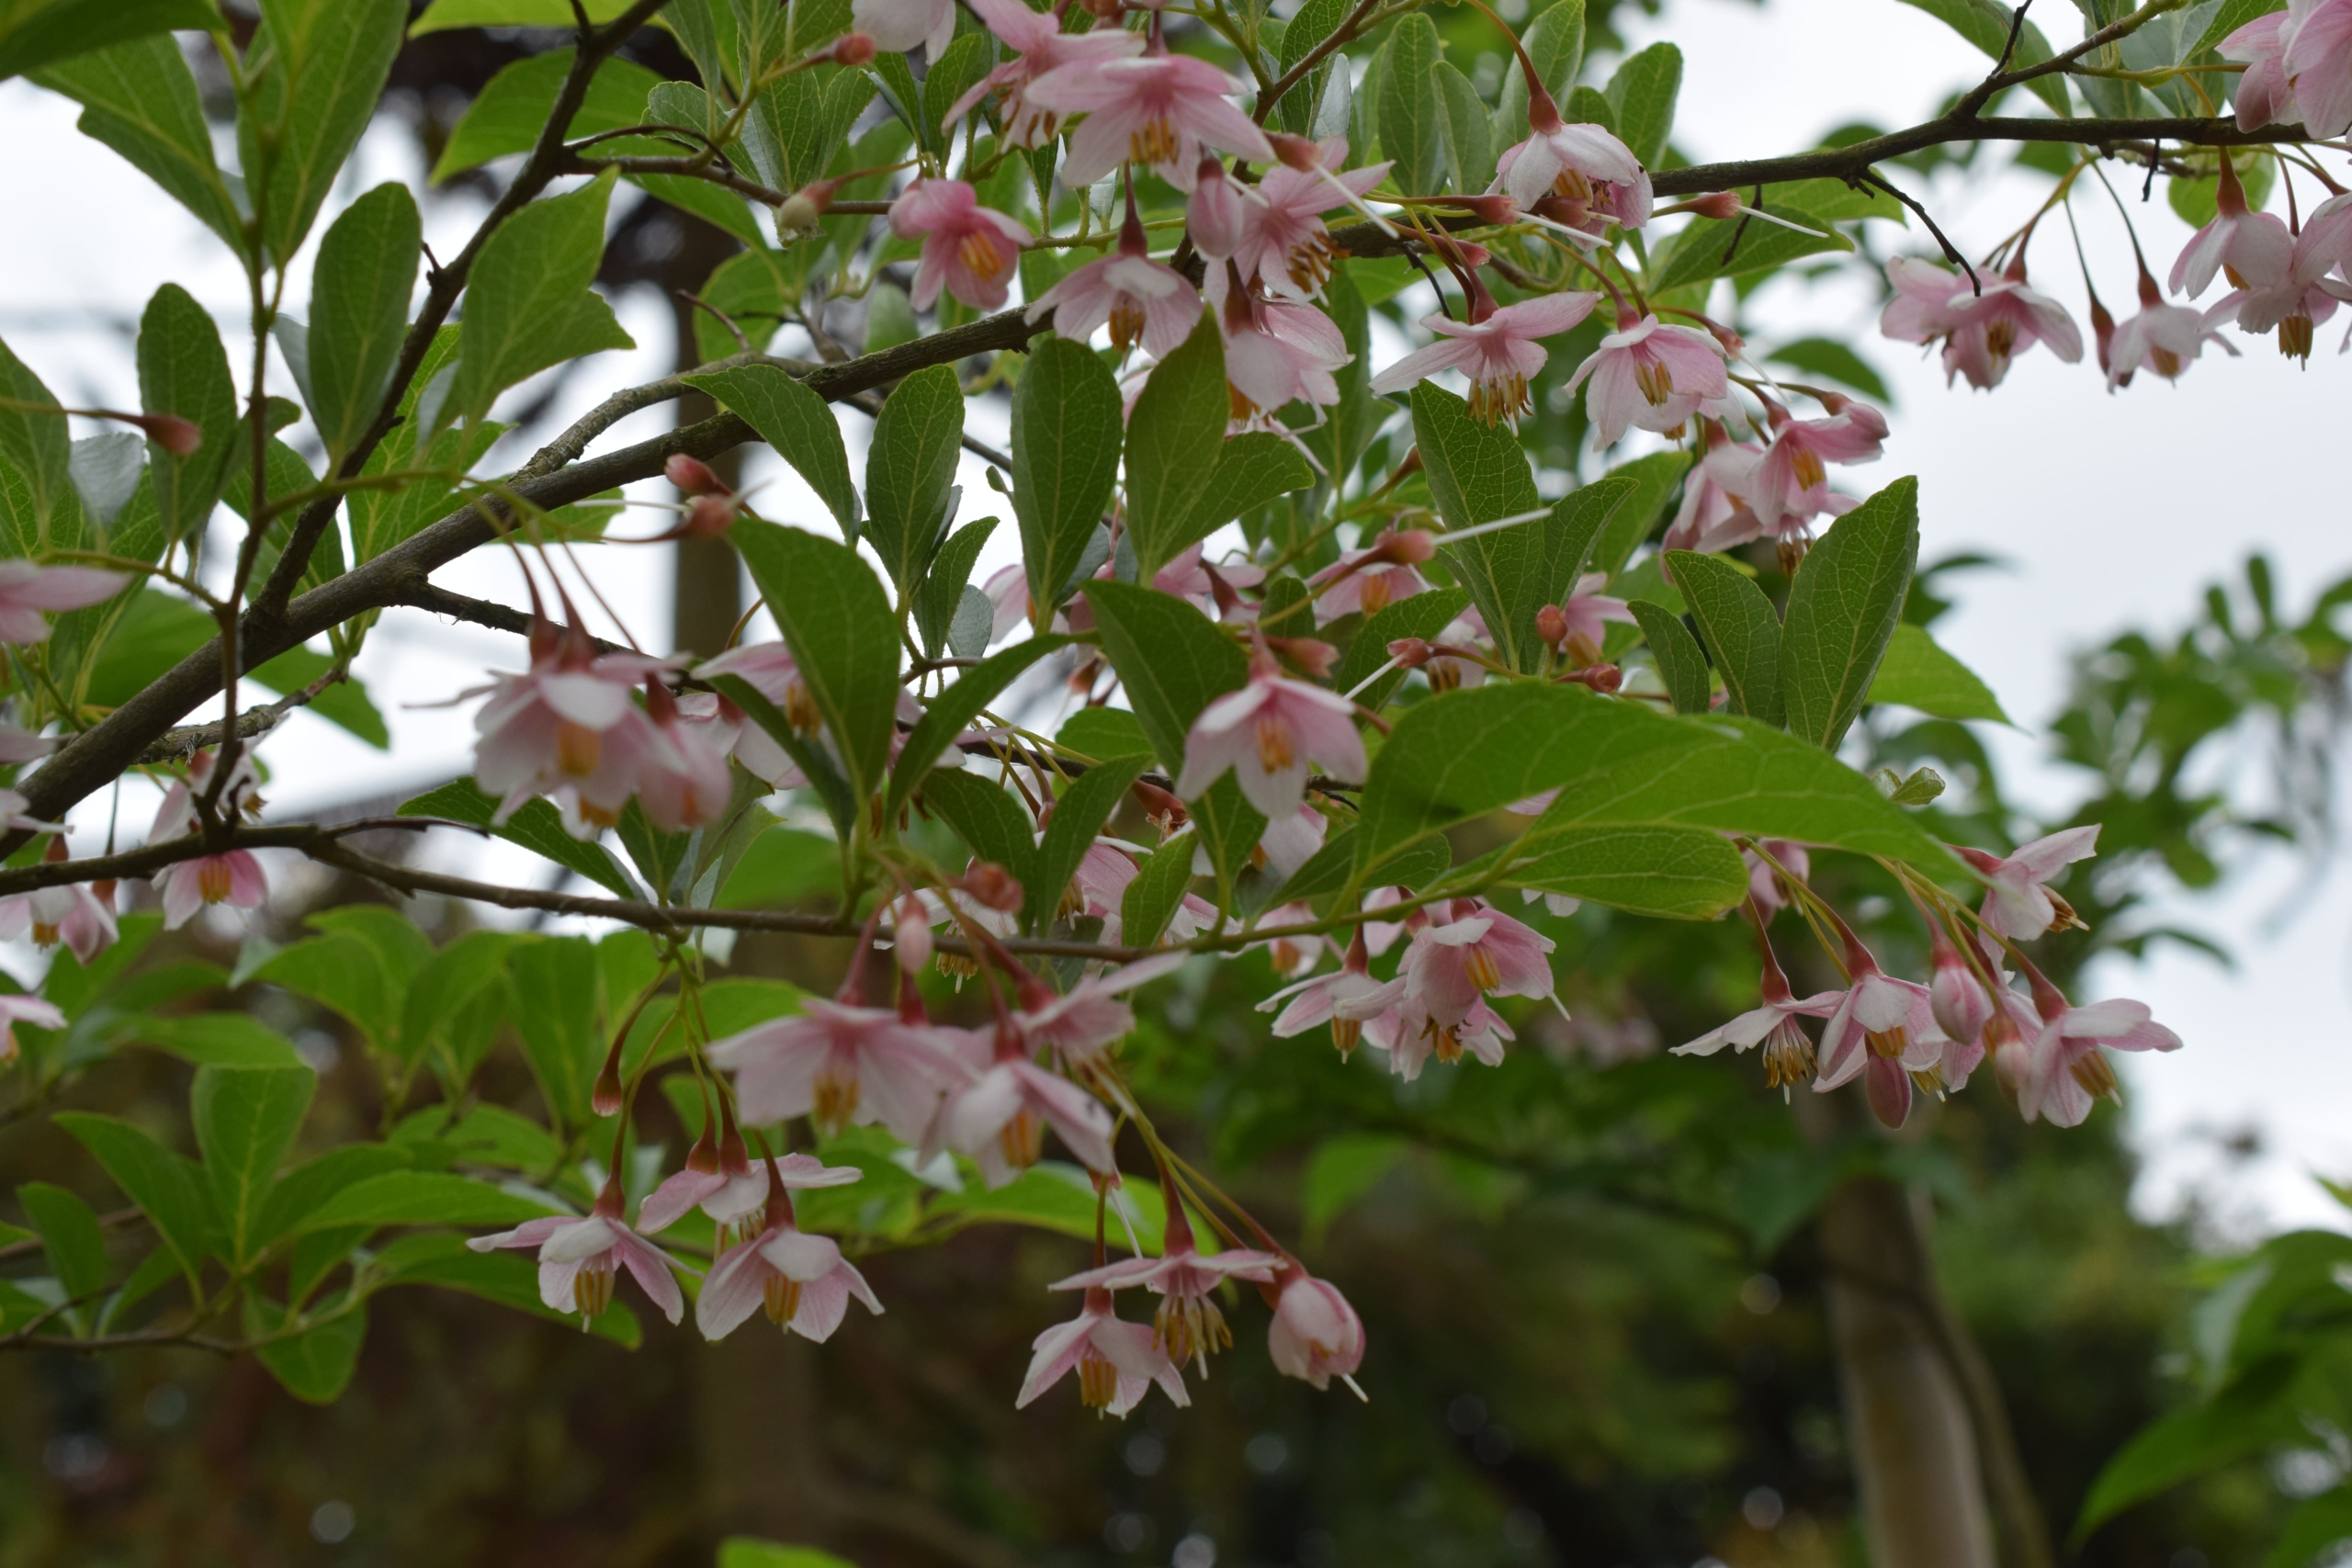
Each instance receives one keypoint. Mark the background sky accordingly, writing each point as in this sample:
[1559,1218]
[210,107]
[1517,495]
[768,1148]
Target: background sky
[2109,512]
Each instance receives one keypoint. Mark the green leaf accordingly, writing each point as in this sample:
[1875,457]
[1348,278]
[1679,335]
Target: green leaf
[1469,133]
[1674,874]
[507,114]
[2315,1525]
[940,596]
[443,16]
[359,293]
[1829,360]
[1342,1169]
[1415,866]
[527,302]
[1066,434]
[37,448]
[1917,673]
[536,826]
[1056,1196]
[140,99]
[798,423]
[911,471]
[246,1119]
[554,1010]
[961,63]
[345,972]
[1174,438]
[1080,812]
[33,34]
[183,370]
[1741,627]
[170,1187]
[1655,479]
[742,1551]
[1152,900]
[1679,663]
[1314,22]
[308,1185]
[314,1366]
[1251,469]
[2228,18]
[1987,24]
[437,1008]
[1423,616]
[509,1278]
[1843,607]
[838,623]
[323,68]
[1555,41]
[948,714]
[422,1198]
[1712,248]
[70,1237]
[756,289]
[986,818]
[1640,98]
[1098,734]
[2243,1419]
[1412,112]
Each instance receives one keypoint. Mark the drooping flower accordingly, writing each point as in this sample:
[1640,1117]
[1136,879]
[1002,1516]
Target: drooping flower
[1366,581]
[1955,995]
[566,728]
[2163,338]
[1646,376]
[1315,1336]
[721,1181]
[2017,901]
[1788,1054]
[1982,334]
[1282,241]
[1497,349]
[1269,733]
[802,1281]
[1477,952]
[1710,518]
[1141,300]
[1116,1363]
[840,1063]
[1789,477]
[2318,64]
[1411,1034]
[2262,95]
[1188,1325]
[233,878]
[1289,842]
[81,914]
[581,1256]
[26,591]
[1000,1117]
[1579,163]
[2067,1070]
[1155,110]
[1583,622]
[1884,1030]
[1347,1000]
[968,250]
[768,669]
[902,25]
[684,782]
[1042,46]
[16,1010]
[1275,352]
[2252,249]
[1090,1015]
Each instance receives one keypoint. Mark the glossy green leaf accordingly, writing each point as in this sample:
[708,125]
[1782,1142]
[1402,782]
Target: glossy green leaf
[1251,469]
[1152,900]
[1655,480]
[1174,438]
[184,369]
[1412,110]
[1742,629]
[742,1551]
[246,1120]
[1079,811]
[798,423]
[842,633]
[70,1237]
[359,294]
[1675,874]
[1056,1196]
[1314,22]
[1679,663]
[911,471]
[38,450]
[536,826]
[1641,95]
[422,1198]
[1843,608]
[1470,151]
[169,1187]
[1066,439]
[323,68]
[555,1013]
[141,98]
[963,61]
[34,34]
[316,1365]
[443,16]
[1918,673]
[941,595]
[513,106]
[948,714]
[528,305]
[986,817]
[1416,866]
[1098,734]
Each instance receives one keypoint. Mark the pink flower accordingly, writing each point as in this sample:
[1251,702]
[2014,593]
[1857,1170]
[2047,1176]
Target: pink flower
[2254,249]
[1884,1025]
[1410,1033]
[235,877]
[2262,95]
[566,727]
[2066,1070]
[1478,951]
[1315,1336]
[2318,65]
[1188,1325]
[26,590]
[1573,162]
[1216,215]
[2163,338]
[1291,840]
[969,250]
[802,1281]
[1710,518]
[16,1010]
[1955,995]
[1788,1054]
[2017,902]
[1367,581]
[1789,479]
[1282,241]
[1141,300]
[1274,353]
[1497,351]
[767,667]
[1584,620]
[1269,733]
[22,746]
[81,914]
[1764,884]
[1649,376]
[1116,1363]
[1000,1118]
[579,1257]
[1347,1000]
[1104,873]
[901,25]
[1981,334]
[727,1187]
[1042,46]
[841,1064]
[1927,303]
[685,782]
[1080,1022]
[1158,110]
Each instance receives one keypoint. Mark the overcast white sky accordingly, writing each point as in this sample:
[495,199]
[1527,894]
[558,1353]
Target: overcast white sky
[2114,511]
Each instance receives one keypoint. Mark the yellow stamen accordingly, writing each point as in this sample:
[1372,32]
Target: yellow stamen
[985,253]
[836,1101]
[1127,324]
[1484,973]
[1153,142]
[1805,464]
[1345,1033]
[781,1296]
[1190,1327]
[1501,401]
[1276,750]
[577,747]
[592,1288]
[2091,1070]
[213,879]
[1098,1380]
[1656,379]
[1021,1141]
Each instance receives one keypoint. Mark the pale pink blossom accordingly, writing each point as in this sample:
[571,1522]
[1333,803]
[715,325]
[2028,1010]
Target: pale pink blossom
[22,746]
[768,669]
[1981,333]
[1116,1363]
[2017,901]
[1291,839]
[1188,1325]
[1042,46]
[1000,1118]
[579,1257]
[802,1281]
[1105,874]
[1216,213]
[1955,995]
[1366,581]
[1497,351]
[1141,300]
[1275,352]
[1090,1015]
[2163,338]
[80,914]
[1478,951]
[234,878]
[898,25]
[969,250]
[1646,376]
[1710,518]
[1411,1034]
[840,1063]
[2252,249]
[1926,307]
[1156,110]
[14,814]
[1884,1030]
[1315,1336]
[2067,1070]
[1347,1000]
[1573,162]
[1270,733]
[567,728]
[1586,617]
[16,1010]
[1789,477]
[2262,95]
[1282,241]
[26,591]
[1773,1024]
[720,1181]
[685,782]
[2318,64]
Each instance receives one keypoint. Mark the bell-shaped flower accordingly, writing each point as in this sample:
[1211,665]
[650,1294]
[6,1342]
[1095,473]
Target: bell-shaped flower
[1789,479]
[1282,241]
[1575,161]
[1216,214]
[1927,303]
[567,728]
[2252,249]
[233,878]
[1646,376]
[2017,900]
[1477,951]
[16,1010]
[2162,338]
[1981,333]
[1955,995]
[1140,300]
[768,669]
[1116,1363]
[1366,581]
[27,590]
[1412,1034]
[968,250]
[1773,1024]
[1583,621]
[2066,1066]
[2318,64]
[685,782]
[2262,95]
[898,25]
[1270,733]
[841,1064]
[1158,111]
[1710,518]
[1289,842]
[802,1281]
[1347,1000]
[580,1258]
[1041,47]
[1275,352]
[1884,1030]
[999,1118]
[79,914]
[1188,1325]
[1081,1021]
[1497,350]
[1764,882]
[1315,1336]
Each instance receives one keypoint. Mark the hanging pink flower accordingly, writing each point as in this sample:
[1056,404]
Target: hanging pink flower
[1411,1034]
[1646,376]
[841,1064]
[1091,1014]
[581,1257]
[1000,1117]
[16,1010]
[1497,351]
[768,669]
[1347,1000]
[2262,95]
[1710,518]
[1583,622]
[802,1281]
[1141,300]
[1289,842]
[1116,1363]
[2254,249]
[1884,1030]
[1576,162]
[1954,994]
[1042,46]
[1773,1024]
[2017,903]
[1270,733]
[1188,1325]
[1980,333]
[1789,479]
[568,728]
[1764,882]
[1478,951]
[1282,241]
[1315,1336]
[234,878]
[1366,581]
[26,591]
[2067,1070]
[720,1181]
[1275,352]
[1157,110]
[902,25]
[969,250]
[685,782]
[2164,338]
[2317,64]
[80,914]
[1216,215]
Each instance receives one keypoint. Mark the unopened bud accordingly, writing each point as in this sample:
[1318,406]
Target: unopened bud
[1496,210]
[694,476]
[1721,205]
[1297,152]
[179,436]
[1408,547]
[1311,654]
[1601,678]
[1552,626]
[910,934]
[853,49]
[992,887]
[803,208]
[1411,652]
[710,516]
[1167,813]
[607,1099]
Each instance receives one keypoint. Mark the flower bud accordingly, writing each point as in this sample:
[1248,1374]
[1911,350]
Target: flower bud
[1411,652]
[1722,205]
[1552,626]
[853,49]
[1962,1008]
[1296,152]
[179,436]
[1408,547]
[1495,210]
[1212,215]
[910,934]
[1601,678]
[1165,811]
[694,476]
[991,886]
[710,516]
